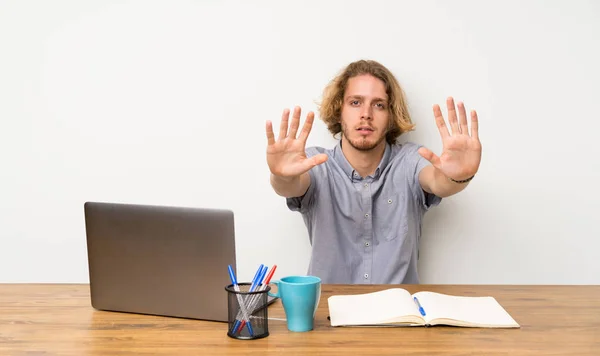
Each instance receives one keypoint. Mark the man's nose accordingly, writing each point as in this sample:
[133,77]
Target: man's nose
[366,112]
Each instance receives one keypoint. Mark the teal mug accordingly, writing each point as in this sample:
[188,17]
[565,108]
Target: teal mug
[300,296]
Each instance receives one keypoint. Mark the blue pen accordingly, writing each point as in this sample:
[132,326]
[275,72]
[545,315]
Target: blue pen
[258,281]
[257,274]
[237,325]
[256,285]
[240,301]
[421,310]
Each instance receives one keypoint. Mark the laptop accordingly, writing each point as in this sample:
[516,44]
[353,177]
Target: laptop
[160,260]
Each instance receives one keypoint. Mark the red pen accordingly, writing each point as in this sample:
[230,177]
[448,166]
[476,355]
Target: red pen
[268,279]
[255,299]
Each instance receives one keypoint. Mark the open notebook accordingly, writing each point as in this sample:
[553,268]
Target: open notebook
[396,306]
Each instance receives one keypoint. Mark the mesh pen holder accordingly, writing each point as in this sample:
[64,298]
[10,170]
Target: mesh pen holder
[248,312]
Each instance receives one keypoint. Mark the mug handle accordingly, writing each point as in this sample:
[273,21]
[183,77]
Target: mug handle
[277,295]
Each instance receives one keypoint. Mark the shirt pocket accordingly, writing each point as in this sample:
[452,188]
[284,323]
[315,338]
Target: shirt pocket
[391,218]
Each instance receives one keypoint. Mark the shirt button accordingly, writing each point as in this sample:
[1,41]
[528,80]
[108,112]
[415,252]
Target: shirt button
[366,185]
[389,201]
[367,244]
[366,215]
[366,275]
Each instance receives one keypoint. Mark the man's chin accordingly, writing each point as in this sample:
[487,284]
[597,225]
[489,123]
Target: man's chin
[364,145]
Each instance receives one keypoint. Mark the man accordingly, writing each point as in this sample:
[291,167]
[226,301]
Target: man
[363,201]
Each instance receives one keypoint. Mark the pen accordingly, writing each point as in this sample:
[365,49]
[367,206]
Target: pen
[257,281]
[256,298]
[264,285]
[421,310]
[240,301]
[268,279]
[245,320]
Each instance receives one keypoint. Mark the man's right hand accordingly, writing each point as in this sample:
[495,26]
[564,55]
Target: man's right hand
[286,156]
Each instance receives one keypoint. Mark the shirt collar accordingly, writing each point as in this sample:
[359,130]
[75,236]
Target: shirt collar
[341,160]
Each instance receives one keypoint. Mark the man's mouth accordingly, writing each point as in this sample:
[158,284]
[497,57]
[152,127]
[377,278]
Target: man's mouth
[365,129]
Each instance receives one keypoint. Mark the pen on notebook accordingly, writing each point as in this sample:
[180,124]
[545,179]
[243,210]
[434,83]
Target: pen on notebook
[240,301]
[239,325]
[421,310]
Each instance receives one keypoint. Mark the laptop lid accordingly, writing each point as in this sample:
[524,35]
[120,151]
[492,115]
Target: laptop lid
[169,261]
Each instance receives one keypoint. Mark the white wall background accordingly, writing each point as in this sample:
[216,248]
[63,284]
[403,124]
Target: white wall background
[164,102]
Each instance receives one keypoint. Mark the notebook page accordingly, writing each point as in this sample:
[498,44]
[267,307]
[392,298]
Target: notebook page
[476,311]
[371,308]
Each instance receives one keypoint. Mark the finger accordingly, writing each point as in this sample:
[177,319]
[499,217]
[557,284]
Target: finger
[307,127]
[462,116]
[295,123]
[439,120]
[474,125]
[452,116]
[283,126]
[270,135]
[315,161]
[430,156]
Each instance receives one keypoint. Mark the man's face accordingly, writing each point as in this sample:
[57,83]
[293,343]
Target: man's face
[365,113]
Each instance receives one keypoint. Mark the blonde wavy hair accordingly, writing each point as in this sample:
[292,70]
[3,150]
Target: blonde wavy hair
[330,108]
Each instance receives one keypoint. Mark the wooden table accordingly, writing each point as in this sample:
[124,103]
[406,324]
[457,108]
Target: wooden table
[51,319]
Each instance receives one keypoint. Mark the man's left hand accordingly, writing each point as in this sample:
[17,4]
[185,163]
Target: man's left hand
[461,152]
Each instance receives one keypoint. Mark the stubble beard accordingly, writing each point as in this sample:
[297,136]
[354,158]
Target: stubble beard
[361,144]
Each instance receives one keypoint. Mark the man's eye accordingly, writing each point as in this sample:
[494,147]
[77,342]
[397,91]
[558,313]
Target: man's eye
[354,102]
[380,105]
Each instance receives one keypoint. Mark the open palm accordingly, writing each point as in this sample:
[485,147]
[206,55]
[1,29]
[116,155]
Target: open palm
[461,153]
[286,156]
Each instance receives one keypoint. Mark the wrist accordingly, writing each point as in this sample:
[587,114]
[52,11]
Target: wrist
[461,181]
[283,179]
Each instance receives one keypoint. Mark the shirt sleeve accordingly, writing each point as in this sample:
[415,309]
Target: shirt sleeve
[303,203]
[427,200]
